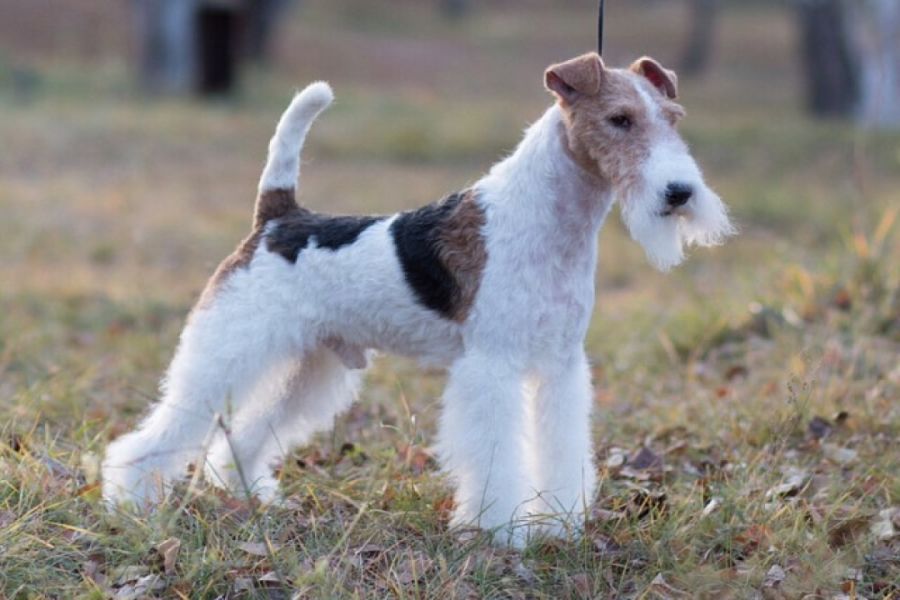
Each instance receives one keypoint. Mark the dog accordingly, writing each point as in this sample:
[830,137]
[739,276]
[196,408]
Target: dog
[496,283]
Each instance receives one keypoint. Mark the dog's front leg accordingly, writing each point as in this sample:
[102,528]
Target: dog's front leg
[560,445]
[481,445]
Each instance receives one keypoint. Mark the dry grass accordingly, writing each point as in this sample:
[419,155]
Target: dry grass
[748,406]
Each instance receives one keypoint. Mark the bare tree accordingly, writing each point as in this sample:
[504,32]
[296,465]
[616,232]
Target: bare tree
[198,45]
[878,40]
[701,36]
[830,64]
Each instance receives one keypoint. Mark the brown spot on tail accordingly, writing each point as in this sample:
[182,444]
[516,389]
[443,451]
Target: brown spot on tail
[273,204]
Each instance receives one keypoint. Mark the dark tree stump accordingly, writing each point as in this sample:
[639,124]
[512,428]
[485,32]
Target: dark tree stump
[830,65]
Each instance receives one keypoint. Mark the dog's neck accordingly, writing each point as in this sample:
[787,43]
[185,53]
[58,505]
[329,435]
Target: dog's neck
[542,180]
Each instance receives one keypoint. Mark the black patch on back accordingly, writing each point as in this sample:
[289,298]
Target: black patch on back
[416,237]
[294,231]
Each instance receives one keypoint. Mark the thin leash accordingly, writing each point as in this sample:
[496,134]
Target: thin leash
[600,27]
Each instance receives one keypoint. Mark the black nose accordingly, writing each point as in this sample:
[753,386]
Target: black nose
[678,194]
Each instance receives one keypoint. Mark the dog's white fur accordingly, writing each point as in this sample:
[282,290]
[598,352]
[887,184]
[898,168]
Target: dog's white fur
[515,428]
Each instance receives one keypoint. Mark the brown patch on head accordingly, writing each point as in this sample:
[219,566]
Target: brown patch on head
[461,248]
[271,204]
[610,130]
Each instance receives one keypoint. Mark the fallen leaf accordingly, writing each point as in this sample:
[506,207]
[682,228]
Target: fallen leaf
[243,584]
[645,459]
[846,530]
[795,481]
[93,570]
[269,579]
[883,527]
[819,427]
[443,507]
[603,515]
[581,582]
[711,506]
[839,455]
[615,460]
[660,588]
[736,371]
[168,551]
[774,576]
[413,568]
[524,572]
[752,539]
[129,574]
[255,548]
[417,459]
[142,587]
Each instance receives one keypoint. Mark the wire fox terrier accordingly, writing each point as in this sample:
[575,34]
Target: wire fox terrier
[495,282]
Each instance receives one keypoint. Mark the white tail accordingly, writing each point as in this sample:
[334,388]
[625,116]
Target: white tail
[282,170]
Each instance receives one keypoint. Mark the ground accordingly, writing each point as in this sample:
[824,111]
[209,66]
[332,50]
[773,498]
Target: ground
[747,405]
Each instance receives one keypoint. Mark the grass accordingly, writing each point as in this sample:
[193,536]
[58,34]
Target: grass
[761,379]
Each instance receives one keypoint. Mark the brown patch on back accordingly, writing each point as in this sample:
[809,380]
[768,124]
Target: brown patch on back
[271,204]
[462,250]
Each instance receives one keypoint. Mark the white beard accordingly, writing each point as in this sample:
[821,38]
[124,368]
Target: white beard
[703,222]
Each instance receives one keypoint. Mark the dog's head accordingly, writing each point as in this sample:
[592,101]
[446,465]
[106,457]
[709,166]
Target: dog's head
[621,125]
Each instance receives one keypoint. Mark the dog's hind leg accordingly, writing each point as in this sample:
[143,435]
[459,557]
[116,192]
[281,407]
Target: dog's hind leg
[225,350]
[305,400]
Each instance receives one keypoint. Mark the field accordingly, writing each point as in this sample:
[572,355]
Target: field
[747,404]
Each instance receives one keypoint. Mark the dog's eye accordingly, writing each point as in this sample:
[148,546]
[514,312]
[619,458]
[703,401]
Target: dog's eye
[621,121]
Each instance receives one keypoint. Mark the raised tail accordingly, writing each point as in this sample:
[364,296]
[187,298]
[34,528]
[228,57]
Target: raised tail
[282,172]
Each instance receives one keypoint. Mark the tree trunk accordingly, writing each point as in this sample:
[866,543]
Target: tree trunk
[262,17]
[165,41]
[830,64]
[455,9]
[879,43]
[698,51]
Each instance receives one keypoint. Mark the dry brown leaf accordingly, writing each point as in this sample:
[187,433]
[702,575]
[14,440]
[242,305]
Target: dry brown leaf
[774,576]
[751,539]
[819,427]
[603,515]
[168,551]
[140,588]
[660,588]
[794,482]
[645,459]
[845,531]
[417,459]
[255,548]
[839,455]
[581,582]
[269,579]
[413,568]
[93,570]
[129,574]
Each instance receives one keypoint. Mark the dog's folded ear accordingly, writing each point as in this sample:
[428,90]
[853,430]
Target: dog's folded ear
[664,80]
[575,78]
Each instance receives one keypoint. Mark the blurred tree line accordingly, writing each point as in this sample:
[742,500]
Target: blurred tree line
[849,49]
[849,52]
